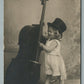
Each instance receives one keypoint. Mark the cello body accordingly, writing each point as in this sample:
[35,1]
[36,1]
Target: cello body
[25,68]
[21,70]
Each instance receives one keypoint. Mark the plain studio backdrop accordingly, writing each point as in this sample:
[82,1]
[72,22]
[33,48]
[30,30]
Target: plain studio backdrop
[18,13]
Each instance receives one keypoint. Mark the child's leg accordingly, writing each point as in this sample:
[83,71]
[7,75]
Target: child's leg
[55,80]
[47,81]
[61,81]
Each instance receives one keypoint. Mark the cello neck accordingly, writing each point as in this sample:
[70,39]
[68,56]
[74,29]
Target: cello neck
[42,19]
[43,2]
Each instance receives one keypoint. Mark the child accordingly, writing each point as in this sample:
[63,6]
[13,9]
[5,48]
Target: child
[54,64]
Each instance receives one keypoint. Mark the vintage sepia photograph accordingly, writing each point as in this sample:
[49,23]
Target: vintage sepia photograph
[42,41]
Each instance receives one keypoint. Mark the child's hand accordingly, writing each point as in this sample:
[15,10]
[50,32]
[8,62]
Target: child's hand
[41,45]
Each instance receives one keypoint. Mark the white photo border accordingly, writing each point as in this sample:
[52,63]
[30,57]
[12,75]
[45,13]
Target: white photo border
[82,41]
[1,41]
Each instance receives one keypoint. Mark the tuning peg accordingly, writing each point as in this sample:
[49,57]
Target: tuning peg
[43,1]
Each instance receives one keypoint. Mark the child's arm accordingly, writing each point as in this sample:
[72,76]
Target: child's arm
[50,48]
[44,31]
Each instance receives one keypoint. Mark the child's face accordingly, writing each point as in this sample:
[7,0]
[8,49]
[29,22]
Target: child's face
[52,33]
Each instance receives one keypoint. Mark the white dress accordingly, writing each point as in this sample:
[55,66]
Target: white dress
[54,63]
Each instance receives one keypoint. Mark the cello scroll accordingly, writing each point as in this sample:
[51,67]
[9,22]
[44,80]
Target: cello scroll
[43,1]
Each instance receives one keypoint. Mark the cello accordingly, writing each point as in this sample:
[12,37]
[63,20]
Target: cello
[25,68]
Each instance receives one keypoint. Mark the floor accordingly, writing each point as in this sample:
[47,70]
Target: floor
[77,81]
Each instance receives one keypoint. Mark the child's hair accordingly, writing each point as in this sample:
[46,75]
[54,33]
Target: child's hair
[59,25]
